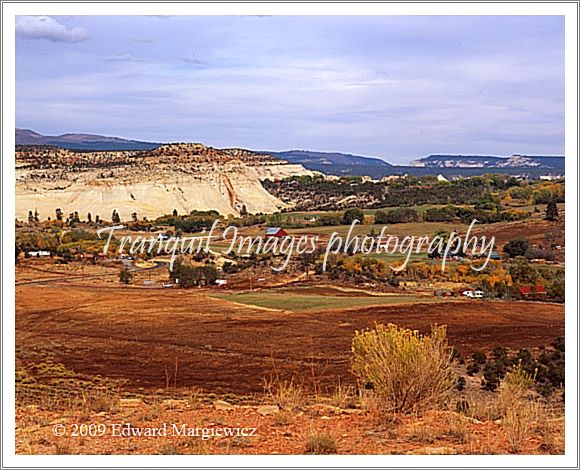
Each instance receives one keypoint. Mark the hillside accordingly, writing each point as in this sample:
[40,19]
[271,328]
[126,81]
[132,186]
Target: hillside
[334,163]
[151,183]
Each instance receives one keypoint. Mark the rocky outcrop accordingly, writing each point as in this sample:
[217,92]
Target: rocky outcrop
[185,177]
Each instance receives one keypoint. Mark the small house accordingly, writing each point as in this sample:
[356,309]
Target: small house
[39,254]
[277,232]
[533,292]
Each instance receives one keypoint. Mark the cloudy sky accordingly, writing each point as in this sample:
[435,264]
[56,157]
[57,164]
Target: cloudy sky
[392,87]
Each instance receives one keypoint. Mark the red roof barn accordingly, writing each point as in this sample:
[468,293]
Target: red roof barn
[532,292]
[277,232]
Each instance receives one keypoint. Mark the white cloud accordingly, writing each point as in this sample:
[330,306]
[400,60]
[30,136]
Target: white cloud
[123,58]
[45,27]
[385,86]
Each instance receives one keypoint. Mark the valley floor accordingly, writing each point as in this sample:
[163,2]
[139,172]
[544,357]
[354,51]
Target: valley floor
[136,335]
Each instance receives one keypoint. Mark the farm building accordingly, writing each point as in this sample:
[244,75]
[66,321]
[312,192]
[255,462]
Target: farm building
[277,232]
[532,292]
[38,254]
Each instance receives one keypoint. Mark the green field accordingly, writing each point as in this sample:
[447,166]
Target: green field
[531,207]
[281,300]
[308,214]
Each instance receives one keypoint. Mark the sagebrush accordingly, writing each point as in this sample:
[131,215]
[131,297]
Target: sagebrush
[407,371]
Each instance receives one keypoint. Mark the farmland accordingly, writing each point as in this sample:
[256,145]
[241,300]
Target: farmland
[225,346]
[299,300]
[123,338]
[161,356]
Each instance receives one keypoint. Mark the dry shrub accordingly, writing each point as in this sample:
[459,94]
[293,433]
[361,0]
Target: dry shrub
[551,430]
[287,394]
[408,372]
[422,434]
[194,397]
[368,400]
[458,427]
[519,407]
[521,411]
[196,446]
[63,448]
[31,448]
[151,412]
[484,408]
[343,396]
[489,444]
[101,400]
[169,449]
[282,419]
[516,388]
[321,443]
[94,401]
[518,423]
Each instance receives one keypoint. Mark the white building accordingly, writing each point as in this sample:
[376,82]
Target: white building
[38,254]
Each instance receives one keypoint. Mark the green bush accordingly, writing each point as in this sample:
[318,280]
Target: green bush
[479,358]
[444,214]
[396,216]
[472,369]
[493,372]
[190,276]
[551,368]
[516,247]
[350,215]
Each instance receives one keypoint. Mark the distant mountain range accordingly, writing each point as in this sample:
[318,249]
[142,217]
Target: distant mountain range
[335,163]
[481,161]
[341,164]
[81,141]
[338,164]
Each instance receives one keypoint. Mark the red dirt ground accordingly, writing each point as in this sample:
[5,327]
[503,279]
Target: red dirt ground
[356,432]
[138,335]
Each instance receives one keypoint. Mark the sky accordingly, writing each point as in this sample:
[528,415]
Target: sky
[394,87]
